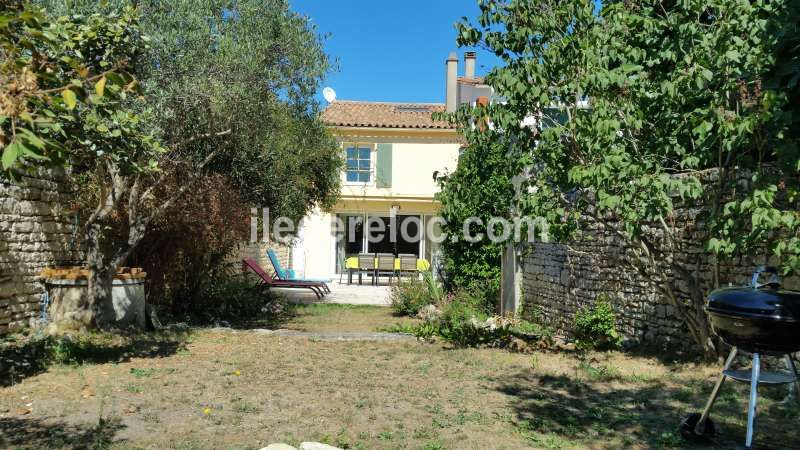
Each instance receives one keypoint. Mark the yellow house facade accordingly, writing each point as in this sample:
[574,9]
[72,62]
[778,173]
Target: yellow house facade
[392,152]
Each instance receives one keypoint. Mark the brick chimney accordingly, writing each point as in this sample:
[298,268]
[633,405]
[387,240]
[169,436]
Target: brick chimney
[482,101]
[469,64]
[451,94]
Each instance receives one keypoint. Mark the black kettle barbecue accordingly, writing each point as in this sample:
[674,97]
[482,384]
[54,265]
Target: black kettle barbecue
[762,319]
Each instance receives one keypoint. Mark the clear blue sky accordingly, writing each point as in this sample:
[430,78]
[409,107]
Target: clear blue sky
[391,50]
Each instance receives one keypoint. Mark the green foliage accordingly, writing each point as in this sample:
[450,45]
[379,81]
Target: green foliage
[67,93]
[433,286]
[65,351]
[410,295]
[461,321]
[143,100]
[644,106]
[251,67]
[479,187]
[142,373]
[658,104]
[595,328]
[231,299]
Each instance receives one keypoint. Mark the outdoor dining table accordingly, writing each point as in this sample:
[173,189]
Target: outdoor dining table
[351,264]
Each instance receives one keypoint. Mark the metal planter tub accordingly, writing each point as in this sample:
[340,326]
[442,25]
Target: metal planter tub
[67,297]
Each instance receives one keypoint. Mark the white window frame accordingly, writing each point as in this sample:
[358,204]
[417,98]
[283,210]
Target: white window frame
[372,161]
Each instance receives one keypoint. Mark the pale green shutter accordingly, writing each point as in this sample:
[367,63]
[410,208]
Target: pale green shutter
[383,167]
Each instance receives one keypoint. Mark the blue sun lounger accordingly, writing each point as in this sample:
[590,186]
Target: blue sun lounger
[288,274]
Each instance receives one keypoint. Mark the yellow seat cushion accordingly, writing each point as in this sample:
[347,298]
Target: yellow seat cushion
[422,263]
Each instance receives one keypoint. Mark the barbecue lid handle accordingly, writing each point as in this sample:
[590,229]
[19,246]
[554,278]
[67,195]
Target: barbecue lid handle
[773,281]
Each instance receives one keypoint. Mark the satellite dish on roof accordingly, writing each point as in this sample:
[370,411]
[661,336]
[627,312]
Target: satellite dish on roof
[329,94]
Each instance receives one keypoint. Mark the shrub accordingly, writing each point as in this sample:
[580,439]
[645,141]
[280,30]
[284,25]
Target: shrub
[533,331]
[434,288]
[461,322]
[462,317]
[409,296]
[465,322]
[595,328]
[190,244]
[480,186]
[235,300]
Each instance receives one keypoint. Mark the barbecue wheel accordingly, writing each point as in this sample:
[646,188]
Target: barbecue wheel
[688,428]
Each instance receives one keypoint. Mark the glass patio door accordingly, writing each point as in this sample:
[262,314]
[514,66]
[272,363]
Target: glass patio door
[382,242]
[352,239]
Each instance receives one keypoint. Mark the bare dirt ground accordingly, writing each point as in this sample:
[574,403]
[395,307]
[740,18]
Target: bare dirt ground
[239,389]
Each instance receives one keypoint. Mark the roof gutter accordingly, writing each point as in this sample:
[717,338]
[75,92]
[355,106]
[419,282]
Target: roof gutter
[387,131]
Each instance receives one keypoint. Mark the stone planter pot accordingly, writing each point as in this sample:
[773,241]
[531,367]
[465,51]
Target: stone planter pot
[68,297]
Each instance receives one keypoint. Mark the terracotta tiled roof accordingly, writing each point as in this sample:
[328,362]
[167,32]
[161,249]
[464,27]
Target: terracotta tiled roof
[471,80]
[348,113]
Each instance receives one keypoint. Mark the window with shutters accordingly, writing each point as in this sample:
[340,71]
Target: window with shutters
[358,160]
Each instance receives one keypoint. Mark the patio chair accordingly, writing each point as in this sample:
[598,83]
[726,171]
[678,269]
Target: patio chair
[366,264]
[288,274]
[385,266]
[408,265]
[268,282]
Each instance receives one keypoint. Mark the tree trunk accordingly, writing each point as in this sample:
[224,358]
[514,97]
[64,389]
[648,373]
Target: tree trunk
[101,275]
[652,262]
[693,316]
[101,278]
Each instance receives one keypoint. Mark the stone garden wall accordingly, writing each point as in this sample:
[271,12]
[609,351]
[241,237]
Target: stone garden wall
[35,231]
[558,280]
[258,251]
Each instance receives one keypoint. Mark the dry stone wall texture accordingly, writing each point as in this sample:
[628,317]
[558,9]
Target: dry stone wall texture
[258,252]
[36,231]
[558,280]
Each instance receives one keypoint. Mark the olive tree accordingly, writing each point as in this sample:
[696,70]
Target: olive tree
[130,94]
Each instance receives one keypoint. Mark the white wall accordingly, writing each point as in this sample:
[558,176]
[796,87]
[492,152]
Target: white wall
[413,162]
[413,165]
[314,248]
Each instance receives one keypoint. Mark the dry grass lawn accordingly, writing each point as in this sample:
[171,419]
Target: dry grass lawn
[344,318]
[240,389]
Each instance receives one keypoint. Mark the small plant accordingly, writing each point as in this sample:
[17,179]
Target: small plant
[61,351]
[142,373]
[595,328]
[133,388]
[408,297]
[600,372]
[425,330]
[435,291]
[74,349]
[460,321]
